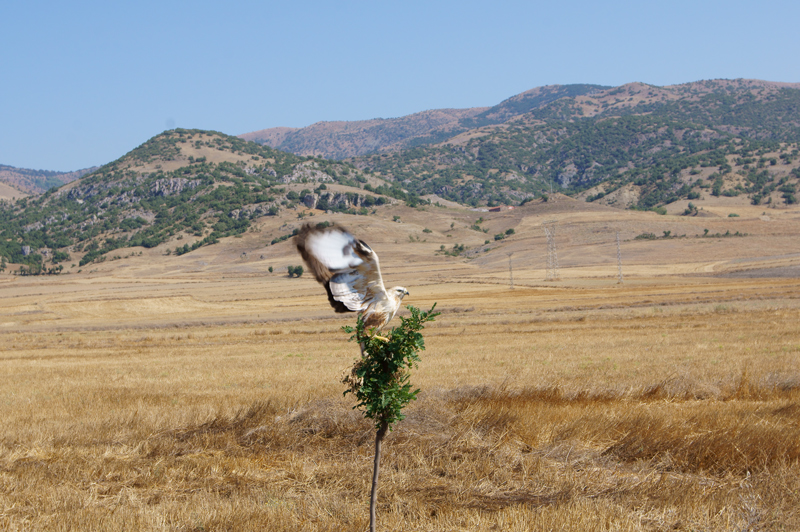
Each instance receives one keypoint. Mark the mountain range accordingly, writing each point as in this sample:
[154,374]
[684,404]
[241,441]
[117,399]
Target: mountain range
[634,146]
[652,144]
[342,139]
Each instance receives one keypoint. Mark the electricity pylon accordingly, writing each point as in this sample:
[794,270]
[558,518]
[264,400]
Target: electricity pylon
[552,254]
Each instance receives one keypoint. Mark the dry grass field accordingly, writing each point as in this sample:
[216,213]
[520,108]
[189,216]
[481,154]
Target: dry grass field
[199,392]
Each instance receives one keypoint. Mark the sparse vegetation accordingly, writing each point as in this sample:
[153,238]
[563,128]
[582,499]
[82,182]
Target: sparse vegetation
[455,251]
[283,238]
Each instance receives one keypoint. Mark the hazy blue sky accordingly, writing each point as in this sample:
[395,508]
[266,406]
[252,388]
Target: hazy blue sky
[82,83]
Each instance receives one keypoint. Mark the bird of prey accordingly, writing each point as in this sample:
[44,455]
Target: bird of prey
[350,272]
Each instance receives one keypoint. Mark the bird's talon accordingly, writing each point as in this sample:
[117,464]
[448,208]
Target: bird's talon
[381,338]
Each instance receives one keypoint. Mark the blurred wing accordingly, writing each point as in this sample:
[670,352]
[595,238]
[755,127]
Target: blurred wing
[346,266]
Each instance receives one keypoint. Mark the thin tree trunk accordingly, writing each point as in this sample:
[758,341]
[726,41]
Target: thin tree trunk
[373,501]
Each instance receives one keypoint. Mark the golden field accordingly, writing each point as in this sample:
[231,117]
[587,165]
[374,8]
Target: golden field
[155,392]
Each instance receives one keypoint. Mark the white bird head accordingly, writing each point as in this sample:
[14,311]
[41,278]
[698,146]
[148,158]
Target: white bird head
[400,291]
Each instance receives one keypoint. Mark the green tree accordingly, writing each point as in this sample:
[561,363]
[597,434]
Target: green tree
[380,379]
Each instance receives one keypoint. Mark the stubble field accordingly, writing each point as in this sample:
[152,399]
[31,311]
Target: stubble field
[196,401]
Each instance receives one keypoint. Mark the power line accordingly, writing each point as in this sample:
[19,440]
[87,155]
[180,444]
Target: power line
[552,254]
[510,271]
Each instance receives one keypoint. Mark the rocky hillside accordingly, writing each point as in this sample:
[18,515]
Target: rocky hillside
[201,185]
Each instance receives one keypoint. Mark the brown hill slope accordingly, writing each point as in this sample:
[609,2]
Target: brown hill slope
[37,181]
[7,192]
[342,139]
[626,98]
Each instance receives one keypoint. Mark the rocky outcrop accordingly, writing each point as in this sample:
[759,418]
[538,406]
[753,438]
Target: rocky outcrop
[566,177]
[85,191]
[341,200]
[307,172]
[47,221]
[172,186]
[253,211]
[310,200]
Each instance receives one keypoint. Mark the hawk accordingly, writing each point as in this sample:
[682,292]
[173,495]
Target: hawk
[350,272]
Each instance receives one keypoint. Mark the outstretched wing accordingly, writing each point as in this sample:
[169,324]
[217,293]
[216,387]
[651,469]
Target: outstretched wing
[346,266]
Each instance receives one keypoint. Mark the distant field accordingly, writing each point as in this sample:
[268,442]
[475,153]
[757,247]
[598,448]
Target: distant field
[202,393]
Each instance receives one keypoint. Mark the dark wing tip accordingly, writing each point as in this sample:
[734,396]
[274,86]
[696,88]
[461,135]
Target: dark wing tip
[338,306]
[369,249]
